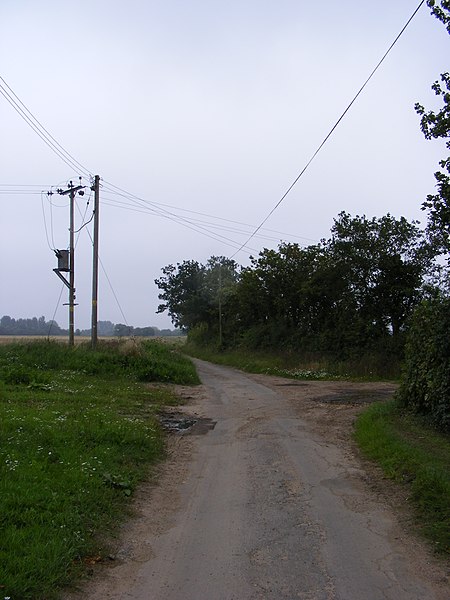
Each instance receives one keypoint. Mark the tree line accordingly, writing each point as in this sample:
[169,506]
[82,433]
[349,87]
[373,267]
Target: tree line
[352,292]
[41,327]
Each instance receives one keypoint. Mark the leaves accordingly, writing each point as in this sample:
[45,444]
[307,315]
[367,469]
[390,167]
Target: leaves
[342,295]
[436,125]
[426,384]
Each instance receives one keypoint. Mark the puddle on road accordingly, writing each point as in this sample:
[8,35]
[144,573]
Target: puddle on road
[354,397]
[182,424]
[292,384]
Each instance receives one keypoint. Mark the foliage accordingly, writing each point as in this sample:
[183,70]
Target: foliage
[77,434]
[41,327]
[416,456]
[34,326]
[383,262]
[349,295]
[426,381]
[195,294]
[441,12]
[436,125]
[301,364]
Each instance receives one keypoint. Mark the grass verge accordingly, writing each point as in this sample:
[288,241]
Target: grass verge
[77,434]
[414,454]
[296,365]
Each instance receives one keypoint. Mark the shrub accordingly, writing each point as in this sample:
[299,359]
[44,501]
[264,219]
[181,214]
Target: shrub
[425,386]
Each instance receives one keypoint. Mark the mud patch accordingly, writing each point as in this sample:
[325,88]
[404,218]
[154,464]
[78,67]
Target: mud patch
[292,384]
[183,424]
[354,397]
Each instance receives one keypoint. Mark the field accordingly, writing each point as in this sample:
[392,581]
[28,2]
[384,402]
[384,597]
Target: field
[12,339]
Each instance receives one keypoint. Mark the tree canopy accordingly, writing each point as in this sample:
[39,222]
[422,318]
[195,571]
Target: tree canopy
[352,291]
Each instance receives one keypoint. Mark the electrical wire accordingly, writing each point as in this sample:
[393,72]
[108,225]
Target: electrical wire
[84,223]
[11,97]
[151,207]
[45,222]
[106,276]
[198,226]
[56,309]
[211,225]
[331,131]
[194,212]
[179,219]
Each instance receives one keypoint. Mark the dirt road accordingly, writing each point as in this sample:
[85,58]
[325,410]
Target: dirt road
[272,503]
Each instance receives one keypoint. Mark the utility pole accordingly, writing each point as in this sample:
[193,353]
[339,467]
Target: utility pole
[72,191]
[220,306]
[96,189]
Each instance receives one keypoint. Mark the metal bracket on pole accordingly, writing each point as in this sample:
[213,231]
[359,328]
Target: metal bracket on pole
[63,279]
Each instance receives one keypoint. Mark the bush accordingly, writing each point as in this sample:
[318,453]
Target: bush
[425,386]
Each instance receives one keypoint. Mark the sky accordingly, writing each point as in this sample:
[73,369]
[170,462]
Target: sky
[203,113]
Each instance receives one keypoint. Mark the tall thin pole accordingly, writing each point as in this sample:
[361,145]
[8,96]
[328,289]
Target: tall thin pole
[94,321]
[71,191]
[220,306]
[72,269]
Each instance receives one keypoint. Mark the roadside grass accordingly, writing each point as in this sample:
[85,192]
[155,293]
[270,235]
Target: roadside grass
[78,432]
[301,365]
[414,454]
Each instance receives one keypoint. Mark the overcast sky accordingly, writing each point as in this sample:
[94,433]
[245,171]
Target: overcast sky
[206,107]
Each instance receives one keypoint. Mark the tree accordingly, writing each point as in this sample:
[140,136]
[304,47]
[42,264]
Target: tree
[105,328]
[425,386]
[436,125]
[278,300]
[121,330]
[144,331]
[192,293]
[384,262]
[182,293]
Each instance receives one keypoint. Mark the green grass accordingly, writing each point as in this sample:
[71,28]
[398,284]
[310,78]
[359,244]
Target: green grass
[414,454]
[77,434]
[294,365]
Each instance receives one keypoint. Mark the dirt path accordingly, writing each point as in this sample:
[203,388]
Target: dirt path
[271,504]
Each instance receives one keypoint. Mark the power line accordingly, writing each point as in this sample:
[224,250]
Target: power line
[178,219]
[23,111]
[45,221]
[330,132]
[211,225]
[52,322]
[195,212]
[105,274]
[69,160]
[152,207]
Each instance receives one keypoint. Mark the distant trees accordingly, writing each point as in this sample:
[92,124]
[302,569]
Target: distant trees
[41,327]
[33,326]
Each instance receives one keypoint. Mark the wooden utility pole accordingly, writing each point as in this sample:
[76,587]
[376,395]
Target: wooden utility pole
[220,307]
[96,190]
[72,192]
